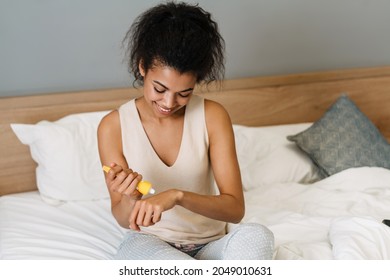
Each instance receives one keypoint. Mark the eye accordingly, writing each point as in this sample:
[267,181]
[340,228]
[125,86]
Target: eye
[159,91]
[184,95]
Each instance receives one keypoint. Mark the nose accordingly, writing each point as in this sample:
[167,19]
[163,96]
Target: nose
[169,100]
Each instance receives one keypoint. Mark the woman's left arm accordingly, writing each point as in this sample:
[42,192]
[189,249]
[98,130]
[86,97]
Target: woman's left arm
[229,205]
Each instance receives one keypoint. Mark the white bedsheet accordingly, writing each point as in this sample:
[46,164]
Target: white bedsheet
[336,218]
[313,221]
[33,229]
[359,238]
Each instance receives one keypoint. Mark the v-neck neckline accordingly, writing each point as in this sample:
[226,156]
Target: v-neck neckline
[149,143]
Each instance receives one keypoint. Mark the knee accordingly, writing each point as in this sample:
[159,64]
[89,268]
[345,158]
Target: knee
[257,240]
[256,232]
[258,235]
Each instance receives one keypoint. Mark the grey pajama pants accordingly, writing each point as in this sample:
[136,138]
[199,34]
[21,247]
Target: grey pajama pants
[246,242]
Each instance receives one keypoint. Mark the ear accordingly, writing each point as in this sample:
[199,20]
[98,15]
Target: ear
[141,68]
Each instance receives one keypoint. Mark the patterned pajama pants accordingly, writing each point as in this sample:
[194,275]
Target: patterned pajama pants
[248,241]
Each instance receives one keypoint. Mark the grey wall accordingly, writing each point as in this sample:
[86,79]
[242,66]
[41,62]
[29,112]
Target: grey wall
[66,45]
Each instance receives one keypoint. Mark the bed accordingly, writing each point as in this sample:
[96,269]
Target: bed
[313,152]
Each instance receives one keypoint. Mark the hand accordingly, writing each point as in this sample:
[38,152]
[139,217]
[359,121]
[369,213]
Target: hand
[121,180]
[147,212]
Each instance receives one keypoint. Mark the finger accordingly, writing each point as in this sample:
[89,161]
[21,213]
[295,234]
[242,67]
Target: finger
[130,183]
[140,215]
[112,171]
[116,168]
[133,215]
[156,217]
[109,172]
[116,182]
[107,168]
[120,180]
[148,220]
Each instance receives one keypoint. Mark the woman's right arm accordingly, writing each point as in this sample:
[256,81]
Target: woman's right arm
[121,181]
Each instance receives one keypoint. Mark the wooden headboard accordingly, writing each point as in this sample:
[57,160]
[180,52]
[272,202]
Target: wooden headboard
[256,101]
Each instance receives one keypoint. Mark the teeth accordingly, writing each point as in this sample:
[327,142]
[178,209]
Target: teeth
[164,110]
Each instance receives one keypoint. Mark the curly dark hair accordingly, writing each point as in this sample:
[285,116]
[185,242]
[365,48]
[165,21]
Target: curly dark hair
[177,35]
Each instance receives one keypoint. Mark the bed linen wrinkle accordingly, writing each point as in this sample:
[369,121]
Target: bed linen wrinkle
[360,238]
[307,212]
[32,229]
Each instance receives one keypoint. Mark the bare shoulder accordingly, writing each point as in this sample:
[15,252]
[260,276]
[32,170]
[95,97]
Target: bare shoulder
[109,122]
[214,105]
[215,112]
[109,129]
[217,117]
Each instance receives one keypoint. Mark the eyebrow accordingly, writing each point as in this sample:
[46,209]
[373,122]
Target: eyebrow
[157,82]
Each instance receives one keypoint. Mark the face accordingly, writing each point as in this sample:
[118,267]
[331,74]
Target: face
[166,90]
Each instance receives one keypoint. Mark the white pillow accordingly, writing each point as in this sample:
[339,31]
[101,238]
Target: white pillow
[267,157]
[67,156]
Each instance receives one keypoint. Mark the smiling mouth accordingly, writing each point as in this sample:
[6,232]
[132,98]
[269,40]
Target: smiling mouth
[164,110]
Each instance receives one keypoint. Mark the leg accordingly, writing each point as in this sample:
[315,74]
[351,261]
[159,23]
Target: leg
[246,242]
[139,246]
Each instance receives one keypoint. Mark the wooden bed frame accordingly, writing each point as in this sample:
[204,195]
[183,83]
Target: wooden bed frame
[256,101]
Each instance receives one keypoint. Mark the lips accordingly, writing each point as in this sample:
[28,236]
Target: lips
[164,111]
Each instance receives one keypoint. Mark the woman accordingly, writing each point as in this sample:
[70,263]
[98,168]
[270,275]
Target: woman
[181,143]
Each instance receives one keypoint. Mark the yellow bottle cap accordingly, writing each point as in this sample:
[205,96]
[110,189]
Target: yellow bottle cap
[145,187]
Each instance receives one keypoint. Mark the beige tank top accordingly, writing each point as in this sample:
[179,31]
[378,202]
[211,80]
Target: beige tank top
[190,172]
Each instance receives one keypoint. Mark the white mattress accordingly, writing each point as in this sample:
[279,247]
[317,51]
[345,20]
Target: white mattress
[33,229]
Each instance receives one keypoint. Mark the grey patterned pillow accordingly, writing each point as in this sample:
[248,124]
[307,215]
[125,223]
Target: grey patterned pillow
[343,138]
